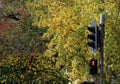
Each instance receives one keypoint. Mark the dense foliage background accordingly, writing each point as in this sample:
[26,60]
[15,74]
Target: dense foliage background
[48,44]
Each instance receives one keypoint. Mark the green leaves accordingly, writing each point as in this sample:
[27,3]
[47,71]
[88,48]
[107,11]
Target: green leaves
[30,69]
[60,27]
[67,23]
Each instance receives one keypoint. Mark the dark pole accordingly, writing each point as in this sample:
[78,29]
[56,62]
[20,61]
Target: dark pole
[101,47]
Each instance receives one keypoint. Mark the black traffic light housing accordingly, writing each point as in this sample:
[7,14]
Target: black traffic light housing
[93,66]
[94,36]
[87,82]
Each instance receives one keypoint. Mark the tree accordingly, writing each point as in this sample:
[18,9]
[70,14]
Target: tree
[21,52]
[67,23]
[21,38]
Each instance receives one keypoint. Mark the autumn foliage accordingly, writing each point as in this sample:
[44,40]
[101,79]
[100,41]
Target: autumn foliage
[48,45]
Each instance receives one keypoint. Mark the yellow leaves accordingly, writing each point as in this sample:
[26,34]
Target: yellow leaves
[71,45]
[12,61]
[32,5]
[67,23]
[35,73]
[22,76]
[28,71]
[49,53]
[89,1]
[66,46]
[43,24]
[56,20]
[3,81]
[28,4]
[33,69]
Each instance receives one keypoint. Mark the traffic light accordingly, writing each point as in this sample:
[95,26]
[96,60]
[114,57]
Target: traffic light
[93,66]
[87,82]
[94,36]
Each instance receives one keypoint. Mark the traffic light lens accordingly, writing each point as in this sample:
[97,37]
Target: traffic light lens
[91,29]
[93,66]
[91,43]
[93,63]
[91,36]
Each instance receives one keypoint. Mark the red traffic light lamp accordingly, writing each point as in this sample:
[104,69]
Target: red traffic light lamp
[93,66]
[93,63]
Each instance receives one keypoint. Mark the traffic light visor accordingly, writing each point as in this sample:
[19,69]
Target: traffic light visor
[91,36]
[91,44]
[91,29]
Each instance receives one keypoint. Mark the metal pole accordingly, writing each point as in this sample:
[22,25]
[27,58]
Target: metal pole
[101,47]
